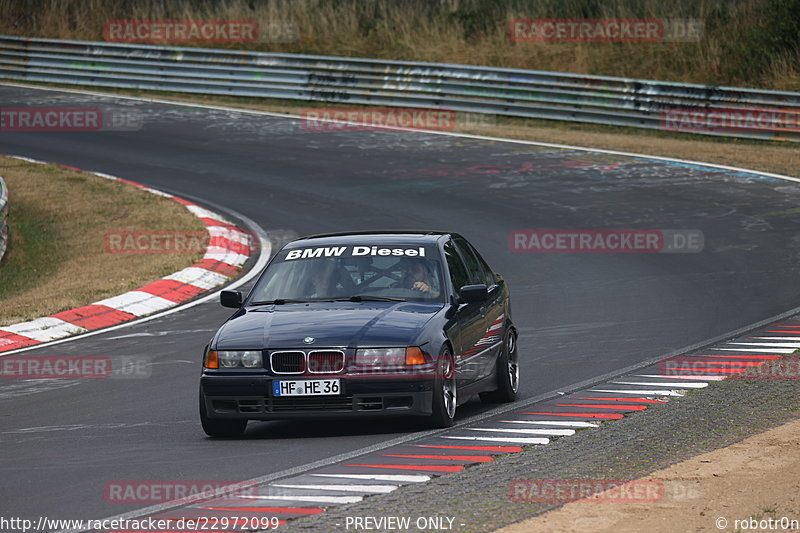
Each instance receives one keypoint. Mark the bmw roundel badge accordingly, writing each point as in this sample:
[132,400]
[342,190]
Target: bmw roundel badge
[309,340]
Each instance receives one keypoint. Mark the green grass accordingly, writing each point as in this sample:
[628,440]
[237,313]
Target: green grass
[33,252]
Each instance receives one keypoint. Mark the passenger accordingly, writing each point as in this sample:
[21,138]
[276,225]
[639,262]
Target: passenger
[331,281]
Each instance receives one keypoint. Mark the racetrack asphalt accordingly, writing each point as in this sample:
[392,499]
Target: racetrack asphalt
[579,315]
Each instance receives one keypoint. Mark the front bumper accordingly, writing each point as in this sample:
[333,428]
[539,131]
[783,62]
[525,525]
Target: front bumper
[250,397]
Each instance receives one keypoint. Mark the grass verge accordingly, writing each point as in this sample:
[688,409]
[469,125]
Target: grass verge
[57,224]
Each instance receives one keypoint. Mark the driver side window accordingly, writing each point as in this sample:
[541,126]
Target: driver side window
[458,273]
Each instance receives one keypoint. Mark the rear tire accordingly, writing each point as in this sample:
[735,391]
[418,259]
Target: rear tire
[507,372]
[215,427]
[445,391]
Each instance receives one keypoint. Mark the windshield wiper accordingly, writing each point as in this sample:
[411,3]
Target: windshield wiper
[359,298]
[281,301]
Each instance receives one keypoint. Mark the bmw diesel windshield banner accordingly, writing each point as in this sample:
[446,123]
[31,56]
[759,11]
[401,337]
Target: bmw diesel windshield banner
[357,251]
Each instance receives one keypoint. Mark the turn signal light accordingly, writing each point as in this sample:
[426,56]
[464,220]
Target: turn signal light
[211,360]
[414,356]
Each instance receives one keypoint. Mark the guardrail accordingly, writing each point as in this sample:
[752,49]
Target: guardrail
[702,109]
[3,218]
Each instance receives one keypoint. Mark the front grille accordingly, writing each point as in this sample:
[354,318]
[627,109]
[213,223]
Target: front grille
[251,406]
[325,362]
[287,362]
[369,404]
[331,403]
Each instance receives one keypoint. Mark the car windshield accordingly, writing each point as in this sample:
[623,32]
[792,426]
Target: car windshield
[357,272]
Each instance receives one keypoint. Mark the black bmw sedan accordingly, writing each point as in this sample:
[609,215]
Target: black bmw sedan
[358,324]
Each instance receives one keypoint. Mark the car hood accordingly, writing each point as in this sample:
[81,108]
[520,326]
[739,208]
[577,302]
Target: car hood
[342,324]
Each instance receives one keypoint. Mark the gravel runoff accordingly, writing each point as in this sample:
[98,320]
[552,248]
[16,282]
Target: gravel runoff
[477,497]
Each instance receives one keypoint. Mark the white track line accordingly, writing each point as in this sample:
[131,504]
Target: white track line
[373,489]
[713,377]
[551,432]
[511,440]
[760,350]
[768,344]
[656,384]
[306,498]
[379,477]
[553,423]
[641,392]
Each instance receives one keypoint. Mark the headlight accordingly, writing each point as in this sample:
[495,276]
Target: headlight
[381,357]
[246,359]
[389,357]
[251,359]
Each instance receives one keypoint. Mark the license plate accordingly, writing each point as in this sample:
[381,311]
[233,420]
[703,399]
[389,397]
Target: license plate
[306,387]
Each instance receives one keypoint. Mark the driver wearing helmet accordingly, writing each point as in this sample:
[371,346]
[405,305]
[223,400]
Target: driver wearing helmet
[417,277]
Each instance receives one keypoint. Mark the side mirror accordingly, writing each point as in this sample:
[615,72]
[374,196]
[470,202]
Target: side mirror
[473,294]
[231,299]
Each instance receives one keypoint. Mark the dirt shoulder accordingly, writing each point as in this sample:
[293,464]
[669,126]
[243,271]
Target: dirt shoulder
[68,239]
[755,479]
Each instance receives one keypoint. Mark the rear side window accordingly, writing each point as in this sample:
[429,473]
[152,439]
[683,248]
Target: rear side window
[458,273]
[488,274]
[477,272]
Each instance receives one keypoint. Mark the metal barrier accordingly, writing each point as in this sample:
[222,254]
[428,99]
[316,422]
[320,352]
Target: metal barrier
[702,109]
[3,218]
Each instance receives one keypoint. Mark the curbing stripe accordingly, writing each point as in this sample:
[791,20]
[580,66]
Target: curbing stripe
[44,329]
[229,248]
[172,290]
[199,277]
[138,303]
[94,316]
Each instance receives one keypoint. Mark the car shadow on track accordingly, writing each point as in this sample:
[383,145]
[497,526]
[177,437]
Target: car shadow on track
[342,427]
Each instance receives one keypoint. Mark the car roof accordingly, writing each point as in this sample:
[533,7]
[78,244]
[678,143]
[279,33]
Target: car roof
[384,237]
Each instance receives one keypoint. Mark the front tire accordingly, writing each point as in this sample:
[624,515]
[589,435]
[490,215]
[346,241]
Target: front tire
[507,372]
[215,427]
[445,391]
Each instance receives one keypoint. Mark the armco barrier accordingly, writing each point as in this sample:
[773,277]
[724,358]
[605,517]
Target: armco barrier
[702,109]
[3,218]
